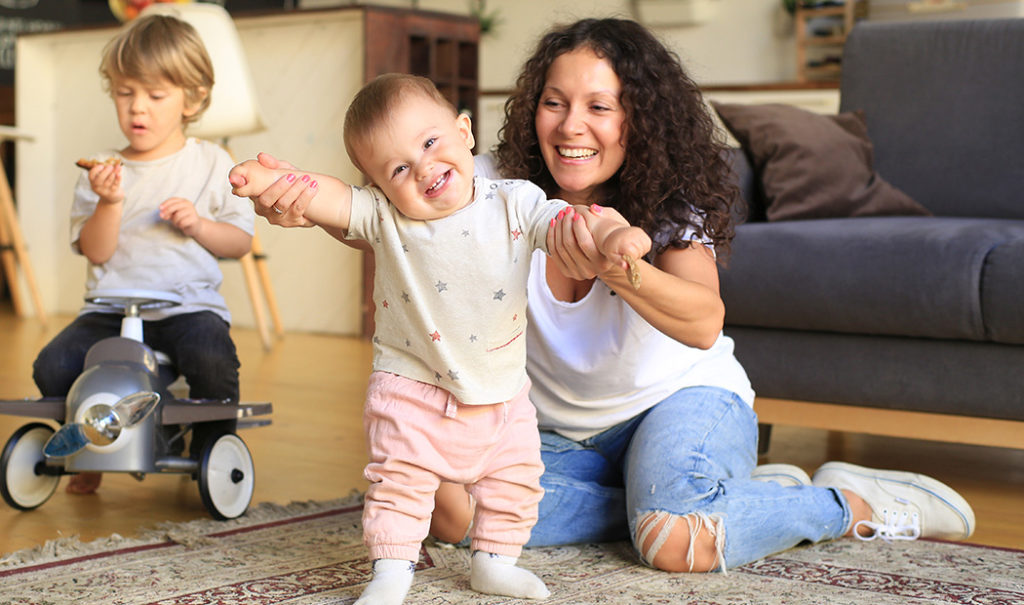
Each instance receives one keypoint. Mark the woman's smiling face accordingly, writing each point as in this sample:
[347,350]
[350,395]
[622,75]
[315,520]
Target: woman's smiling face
[581,124]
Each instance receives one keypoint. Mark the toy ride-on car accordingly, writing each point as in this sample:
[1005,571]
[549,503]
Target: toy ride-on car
[119,416]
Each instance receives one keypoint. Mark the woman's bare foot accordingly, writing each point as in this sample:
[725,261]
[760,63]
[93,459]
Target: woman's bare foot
[84,483]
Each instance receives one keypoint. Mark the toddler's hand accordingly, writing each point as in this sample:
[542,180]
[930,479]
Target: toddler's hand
[105,181]
[182,214]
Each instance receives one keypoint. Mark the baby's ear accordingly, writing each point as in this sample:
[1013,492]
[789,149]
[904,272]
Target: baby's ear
[465,126]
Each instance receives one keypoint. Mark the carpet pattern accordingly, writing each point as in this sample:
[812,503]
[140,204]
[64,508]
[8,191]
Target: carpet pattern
[312,554]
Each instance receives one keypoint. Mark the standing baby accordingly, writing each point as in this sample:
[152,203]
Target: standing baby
[448,397]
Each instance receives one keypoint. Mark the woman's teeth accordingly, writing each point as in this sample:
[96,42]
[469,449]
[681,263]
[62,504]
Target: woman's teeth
[576,152]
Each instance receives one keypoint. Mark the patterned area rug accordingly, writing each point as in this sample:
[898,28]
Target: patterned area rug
[312,553]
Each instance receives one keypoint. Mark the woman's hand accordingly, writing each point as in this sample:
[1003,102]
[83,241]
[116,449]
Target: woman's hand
[571,246]
[294,196]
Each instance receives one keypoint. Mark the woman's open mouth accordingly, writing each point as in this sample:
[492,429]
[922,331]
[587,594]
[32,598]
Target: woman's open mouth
[575,153]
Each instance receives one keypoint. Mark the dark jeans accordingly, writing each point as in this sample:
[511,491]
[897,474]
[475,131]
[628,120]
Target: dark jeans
[198,344]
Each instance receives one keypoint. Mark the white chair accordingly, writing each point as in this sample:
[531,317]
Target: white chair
[234,110]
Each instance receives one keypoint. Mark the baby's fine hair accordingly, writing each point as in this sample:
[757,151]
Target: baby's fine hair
[161,46]
[377,100]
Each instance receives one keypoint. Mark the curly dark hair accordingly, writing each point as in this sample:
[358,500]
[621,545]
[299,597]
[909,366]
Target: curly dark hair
[675,163]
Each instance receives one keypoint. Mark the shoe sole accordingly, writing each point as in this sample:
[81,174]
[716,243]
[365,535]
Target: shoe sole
[927,484]
[784,474]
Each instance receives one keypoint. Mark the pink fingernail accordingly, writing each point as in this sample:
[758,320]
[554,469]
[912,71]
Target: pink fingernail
[561,213]
[596,209]
[312,185]
[577,217]
[305,178]
[290,178]
[552,222]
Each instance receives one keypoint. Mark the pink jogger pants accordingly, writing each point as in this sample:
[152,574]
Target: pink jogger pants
[419,435]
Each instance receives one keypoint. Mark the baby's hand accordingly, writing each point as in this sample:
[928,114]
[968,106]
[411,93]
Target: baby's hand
[625,246]
[182,214]
[250,178]
[620,244]
[105,181]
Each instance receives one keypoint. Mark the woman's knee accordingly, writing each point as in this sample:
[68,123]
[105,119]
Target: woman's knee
[681,543]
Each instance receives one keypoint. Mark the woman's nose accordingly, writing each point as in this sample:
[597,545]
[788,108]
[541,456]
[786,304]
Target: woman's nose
[573,123]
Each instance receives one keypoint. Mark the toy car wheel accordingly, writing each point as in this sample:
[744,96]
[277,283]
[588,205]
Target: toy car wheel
[21,483]
[226,476]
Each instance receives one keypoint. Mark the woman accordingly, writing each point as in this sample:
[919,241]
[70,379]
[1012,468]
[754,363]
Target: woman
[647,420]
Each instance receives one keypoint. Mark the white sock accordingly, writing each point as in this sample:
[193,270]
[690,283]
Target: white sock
[498,575]
[392,579]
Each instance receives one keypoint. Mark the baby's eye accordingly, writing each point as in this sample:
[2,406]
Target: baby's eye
[429,142]
[398,170]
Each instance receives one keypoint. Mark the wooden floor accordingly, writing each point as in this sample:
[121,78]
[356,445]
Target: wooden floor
[314,449]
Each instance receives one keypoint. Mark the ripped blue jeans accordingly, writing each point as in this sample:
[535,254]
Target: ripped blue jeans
[691,454]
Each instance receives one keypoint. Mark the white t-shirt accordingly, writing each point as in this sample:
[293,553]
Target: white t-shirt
[596,363]
[151,253]
[450,294]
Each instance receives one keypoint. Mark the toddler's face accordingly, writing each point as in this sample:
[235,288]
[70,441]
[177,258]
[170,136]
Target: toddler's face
[150,115]
[422,158]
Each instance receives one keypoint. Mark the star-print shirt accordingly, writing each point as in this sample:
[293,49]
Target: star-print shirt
[450,293]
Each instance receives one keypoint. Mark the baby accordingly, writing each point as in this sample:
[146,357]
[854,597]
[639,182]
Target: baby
[448,397]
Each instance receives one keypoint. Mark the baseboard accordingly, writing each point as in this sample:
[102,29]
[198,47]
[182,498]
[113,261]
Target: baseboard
[892,423]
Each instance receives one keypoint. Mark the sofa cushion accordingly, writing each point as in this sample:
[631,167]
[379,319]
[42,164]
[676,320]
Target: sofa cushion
[1002,292]
[943,106]
[919,374]
[935,277]
[812,165]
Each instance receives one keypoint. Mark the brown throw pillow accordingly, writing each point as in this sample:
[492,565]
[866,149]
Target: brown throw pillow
[813,165]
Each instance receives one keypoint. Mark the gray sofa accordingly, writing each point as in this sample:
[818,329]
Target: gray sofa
[902,325]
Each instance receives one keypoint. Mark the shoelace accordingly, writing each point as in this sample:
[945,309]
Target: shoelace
[895,525]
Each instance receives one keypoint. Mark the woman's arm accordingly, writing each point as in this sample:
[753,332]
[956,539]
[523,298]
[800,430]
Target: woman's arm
[678,295]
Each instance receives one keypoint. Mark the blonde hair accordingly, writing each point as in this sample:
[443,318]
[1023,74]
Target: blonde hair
[161,46]
[378,99]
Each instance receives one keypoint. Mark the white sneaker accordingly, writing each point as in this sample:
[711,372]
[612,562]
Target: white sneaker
[783,474]
[905,505]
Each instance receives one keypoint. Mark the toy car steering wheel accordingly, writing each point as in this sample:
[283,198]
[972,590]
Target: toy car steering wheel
[132,302]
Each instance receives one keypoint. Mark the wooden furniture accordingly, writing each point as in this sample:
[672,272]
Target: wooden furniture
[441,47]
[13,251]
[824,62]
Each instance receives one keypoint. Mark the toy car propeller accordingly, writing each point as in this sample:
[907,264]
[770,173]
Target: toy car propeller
[101,425]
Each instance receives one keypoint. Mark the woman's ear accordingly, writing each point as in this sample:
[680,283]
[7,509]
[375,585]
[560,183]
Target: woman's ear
[465,126]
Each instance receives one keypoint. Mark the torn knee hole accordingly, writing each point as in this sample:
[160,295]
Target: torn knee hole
[654,529]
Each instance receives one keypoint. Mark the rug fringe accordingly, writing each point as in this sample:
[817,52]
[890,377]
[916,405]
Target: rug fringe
[190,534]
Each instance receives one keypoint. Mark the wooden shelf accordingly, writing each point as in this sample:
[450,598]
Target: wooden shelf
[843,17]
